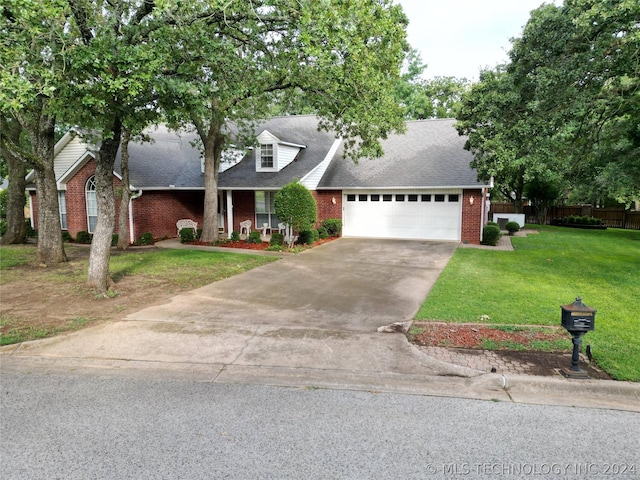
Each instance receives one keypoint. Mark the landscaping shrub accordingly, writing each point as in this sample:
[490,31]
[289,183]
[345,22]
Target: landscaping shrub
[582,220]
[276,239]
[235,236]
[114,240]
[31,233]
[146,239]
[198,233]
[3,227]
[66,236]
[512,227]
[254,237]
[333,226]
[187,235]
[323,233]
[490,235]
[83,237]
[307,237]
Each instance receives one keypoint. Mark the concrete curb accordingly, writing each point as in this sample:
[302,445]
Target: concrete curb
[519,389]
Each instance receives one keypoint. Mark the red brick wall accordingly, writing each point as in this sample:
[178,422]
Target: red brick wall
[158,211]
[75,200]
[155,212]
[472,216]
[326,206]
[244,208]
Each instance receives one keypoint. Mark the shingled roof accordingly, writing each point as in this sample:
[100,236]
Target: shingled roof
[301,130]
[171,160]
[429,154]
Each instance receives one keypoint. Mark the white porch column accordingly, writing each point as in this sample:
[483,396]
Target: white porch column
[229,213]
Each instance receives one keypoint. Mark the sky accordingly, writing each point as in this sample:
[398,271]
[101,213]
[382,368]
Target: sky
[459,37]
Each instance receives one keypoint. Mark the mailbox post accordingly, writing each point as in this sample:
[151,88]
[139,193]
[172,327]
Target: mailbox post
[577,319]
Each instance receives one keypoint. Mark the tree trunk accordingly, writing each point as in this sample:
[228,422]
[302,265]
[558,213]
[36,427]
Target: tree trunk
[123,220]
[50,245]
[213,144]
[16,229]
[98,275]
[518,191]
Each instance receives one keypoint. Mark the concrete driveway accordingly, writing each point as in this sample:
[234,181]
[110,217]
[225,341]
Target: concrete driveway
[304,315]
[305,320]
[349,284]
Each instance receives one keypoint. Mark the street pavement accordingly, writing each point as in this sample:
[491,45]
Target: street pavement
[306,320]
[79,427]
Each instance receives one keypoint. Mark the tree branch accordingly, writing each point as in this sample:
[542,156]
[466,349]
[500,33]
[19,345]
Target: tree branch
[82,19]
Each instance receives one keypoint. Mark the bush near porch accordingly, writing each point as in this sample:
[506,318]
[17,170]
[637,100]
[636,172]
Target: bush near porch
[527,287]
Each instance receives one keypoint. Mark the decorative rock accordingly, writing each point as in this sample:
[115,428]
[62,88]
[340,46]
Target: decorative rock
[402,327]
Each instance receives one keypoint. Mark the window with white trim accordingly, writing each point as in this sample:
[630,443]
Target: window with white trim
[266,210]
[266,156]
[92,204]
[62,202]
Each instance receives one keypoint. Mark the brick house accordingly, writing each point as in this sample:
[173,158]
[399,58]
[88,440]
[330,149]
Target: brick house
[422,188]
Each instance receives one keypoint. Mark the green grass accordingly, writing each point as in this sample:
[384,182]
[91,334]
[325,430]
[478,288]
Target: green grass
[21,331]
[166,269]
[16,255]
[184,268]
[547,270]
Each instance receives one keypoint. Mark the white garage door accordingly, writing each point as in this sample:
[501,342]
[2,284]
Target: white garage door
[420,214]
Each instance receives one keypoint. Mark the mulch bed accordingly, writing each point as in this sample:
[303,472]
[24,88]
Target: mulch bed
[453,335]
[468,338]
[254,246]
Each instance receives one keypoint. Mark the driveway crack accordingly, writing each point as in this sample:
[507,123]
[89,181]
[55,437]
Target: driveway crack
[240,353]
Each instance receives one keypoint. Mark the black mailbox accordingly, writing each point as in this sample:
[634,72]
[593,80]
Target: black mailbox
[577,317]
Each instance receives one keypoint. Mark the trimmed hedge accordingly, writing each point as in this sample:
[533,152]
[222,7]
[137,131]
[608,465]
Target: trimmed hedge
[83,237]
[276,239]
[512,227]
[333,226]
[254,237]
[187,235]
[490,235]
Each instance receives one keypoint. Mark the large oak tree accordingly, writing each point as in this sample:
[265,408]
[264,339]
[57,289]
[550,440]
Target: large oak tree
[33,46]
[567,105]
[231,62]
[217,65]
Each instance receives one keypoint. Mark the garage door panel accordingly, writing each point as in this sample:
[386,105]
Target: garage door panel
[401,218]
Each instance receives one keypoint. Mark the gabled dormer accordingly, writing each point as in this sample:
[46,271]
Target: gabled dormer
[229,157]
[273,154]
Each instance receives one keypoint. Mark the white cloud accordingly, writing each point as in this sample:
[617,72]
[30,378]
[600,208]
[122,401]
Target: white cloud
[459,37]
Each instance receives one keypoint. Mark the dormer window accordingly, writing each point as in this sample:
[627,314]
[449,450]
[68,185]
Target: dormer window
[273,153]
[266,156]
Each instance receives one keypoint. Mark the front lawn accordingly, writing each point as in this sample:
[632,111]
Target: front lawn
[40,302]
[546,270]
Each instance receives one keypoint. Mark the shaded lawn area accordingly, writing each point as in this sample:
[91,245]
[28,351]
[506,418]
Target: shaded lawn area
[546,270]
[42,302]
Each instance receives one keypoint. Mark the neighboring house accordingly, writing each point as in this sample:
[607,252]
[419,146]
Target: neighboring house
[422,188]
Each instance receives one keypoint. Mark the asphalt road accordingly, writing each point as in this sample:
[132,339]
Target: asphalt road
[83,427]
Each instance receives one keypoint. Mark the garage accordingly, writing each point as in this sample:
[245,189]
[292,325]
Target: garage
[405,214]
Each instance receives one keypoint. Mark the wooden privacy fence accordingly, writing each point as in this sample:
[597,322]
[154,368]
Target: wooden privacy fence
[612,217]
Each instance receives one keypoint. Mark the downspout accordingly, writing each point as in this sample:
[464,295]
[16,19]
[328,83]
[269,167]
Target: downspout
[131,233]
[229,213]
